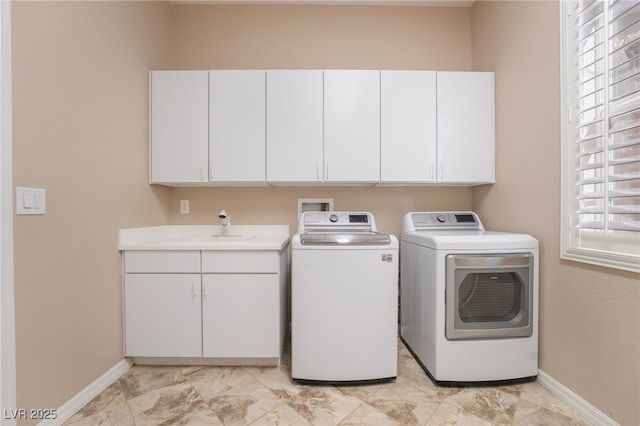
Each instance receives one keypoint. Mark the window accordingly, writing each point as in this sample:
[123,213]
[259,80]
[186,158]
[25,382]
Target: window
[601,132]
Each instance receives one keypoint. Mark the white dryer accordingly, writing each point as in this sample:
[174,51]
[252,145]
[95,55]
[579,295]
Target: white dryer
[344,300]
[469,299]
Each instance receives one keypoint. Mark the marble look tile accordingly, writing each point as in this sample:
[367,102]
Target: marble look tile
[536,394]
[283,415]
[363,393]
[491,404]
[110,397]
[141,379]
[367,415]
[404,403]
[530,414]
[449,414]
[213,381]
[244,403]
[322,405]
[413,374]
[204,395]
[177,404]
[187,370]
[403,354]
[117,415]
[279,381]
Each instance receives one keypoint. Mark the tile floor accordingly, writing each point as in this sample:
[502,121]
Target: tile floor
[147,395]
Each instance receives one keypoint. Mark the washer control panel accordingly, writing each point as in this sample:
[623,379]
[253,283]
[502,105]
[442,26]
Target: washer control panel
[337,220]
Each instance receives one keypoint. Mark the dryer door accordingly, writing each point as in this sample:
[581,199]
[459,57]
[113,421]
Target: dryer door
[489,296]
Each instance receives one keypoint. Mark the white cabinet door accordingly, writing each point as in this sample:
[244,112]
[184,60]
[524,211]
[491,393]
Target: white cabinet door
[237,126]
[408,126]
[179,114]
[163,315]
[352,125]
[465,127]
[241,315]
[294,126]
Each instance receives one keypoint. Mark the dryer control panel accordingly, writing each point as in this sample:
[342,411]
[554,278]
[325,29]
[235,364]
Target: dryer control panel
[458,220]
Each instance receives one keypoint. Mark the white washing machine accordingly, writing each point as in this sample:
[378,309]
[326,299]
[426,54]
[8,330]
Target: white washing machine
[344,300]
[469,299]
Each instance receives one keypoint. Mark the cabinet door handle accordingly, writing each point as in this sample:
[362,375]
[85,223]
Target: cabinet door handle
[327,175]
[432,175]
[317,172]
[206,286]
[195,287]
[202,177]
[441,172]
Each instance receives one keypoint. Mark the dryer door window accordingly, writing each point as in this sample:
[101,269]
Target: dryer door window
[489,296]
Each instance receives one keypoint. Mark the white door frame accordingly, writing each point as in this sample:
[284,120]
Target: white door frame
[7,311]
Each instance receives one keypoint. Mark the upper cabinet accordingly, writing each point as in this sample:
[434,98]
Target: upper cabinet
[408,126]
[306,127]
[352,126]
[237,126]
[295,133]
[179,126]
[323,127]
[437,127]
[466,129]
[207,127]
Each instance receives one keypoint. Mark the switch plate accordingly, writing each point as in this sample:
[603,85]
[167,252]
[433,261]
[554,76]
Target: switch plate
[30,200]
[184,206]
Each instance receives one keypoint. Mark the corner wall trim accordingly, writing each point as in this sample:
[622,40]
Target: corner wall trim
[574,401]
[86,395]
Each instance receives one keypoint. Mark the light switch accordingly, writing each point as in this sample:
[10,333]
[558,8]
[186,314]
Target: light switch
[30,200]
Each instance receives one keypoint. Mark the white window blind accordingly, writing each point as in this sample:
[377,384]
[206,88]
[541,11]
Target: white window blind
[601,181]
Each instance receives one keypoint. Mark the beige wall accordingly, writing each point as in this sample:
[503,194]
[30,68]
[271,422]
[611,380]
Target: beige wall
[80,78]
[80,131]
[589,316]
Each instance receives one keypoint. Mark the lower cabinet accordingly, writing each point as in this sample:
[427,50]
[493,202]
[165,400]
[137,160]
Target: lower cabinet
[218,312]
[163,315]
[240,316]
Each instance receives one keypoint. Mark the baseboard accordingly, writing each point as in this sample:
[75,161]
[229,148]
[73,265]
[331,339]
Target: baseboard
[574,401]
[86,395]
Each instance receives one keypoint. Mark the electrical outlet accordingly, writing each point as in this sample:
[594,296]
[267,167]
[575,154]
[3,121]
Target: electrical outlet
[184,206]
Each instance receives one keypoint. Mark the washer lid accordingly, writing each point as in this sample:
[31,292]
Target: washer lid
[470,240]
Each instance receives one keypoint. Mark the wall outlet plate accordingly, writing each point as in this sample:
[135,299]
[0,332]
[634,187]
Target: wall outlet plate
[184,206]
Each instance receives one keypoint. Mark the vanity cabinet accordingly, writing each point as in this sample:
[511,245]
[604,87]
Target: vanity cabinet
[162,309]
[217,306]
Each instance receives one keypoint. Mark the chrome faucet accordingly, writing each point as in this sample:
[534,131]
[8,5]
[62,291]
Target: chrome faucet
[226,220]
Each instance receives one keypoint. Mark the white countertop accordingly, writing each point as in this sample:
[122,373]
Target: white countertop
[205,237]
